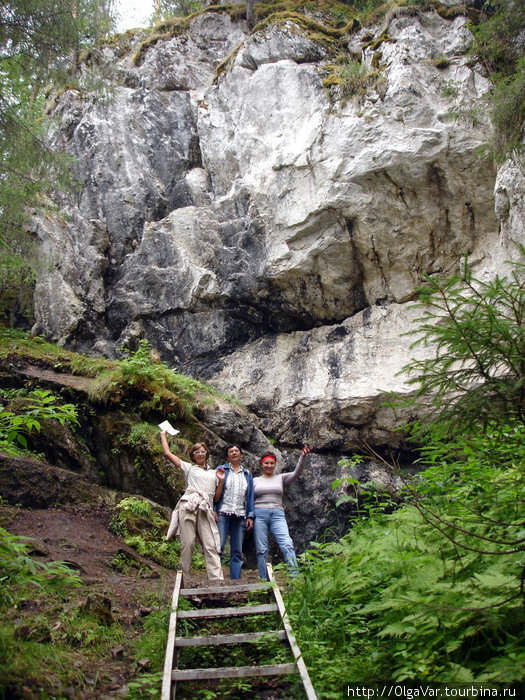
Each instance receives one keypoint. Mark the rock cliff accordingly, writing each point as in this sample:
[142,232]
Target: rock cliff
[264,232]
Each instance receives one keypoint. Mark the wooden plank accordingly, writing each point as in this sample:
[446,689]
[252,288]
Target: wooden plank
[242,588]
[301,666]
[170,645]
[239,638]
[228,612]
[192,674]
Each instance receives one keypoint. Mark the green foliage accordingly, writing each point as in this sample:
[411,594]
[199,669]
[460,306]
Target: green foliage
[369,498]
[146,685]
[140,383]
[434,590]
[141,435]
[237,654]
[17,345]
[441,61]
[349,77]
[152,644]
[498,38]
[450,90]
[499,44]
[476,372]
[82,629]
[166,9]
[142,376]
[42,638]
[51,639]
[18,571]
[143,527]
[139,377]
[508,111]
[413,595]
[136,507]
[14,427]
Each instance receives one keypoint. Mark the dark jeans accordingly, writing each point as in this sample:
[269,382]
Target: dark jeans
[235,526]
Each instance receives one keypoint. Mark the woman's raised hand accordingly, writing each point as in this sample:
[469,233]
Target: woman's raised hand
[306,450]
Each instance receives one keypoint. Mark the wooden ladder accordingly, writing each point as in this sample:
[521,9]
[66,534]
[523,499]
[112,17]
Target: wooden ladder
[172,673]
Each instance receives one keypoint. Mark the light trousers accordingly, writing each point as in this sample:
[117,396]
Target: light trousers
[198,523]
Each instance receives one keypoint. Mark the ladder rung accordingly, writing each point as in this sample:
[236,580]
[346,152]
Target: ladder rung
[228,612]
[228,638]
[233,672]
[243,588]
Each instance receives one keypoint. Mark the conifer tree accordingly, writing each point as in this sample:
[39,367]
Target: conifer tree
[39,41]
[475,377]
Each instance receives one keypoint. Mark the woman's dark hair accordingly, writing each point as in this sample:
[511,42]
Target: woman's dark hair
[268,454]
[228,447]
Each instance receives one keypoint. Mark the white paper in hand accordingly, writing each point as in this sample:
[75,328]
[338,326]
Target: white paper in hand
[167,426]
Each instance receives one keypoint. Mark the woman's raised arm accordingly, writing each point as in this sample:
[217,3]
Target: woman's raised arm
[288,477]
[166,449]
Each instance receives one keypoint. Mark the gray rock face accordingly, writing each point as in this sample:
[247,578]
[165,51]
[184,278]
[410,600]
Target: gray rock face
[261,235]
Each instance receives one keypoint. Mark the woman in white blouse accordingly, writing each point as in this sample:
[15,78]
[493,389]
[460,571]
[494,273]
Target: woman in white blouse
[193,514]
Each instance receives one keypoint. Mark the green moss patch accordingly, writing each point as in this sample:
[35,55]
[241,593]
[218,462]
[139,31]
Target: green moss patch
[348,77]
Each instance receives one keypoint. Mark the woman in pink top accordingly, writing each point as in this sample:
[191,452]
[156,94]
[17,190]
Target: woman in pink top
[269,511]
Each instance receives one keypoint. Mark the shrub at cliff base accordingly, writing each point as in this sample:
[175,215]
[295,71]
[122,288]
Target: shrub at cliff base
[431,592]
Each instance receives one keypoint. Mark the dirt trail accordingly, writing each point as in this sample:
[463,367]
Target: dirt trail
[79,535]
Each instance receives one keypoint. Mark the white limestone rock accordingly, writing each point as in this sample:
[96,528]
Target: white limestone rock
[332,370]
[265,237]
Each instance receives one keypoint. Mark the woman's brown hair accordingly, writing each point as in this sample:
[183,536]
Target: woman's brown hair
[197,446]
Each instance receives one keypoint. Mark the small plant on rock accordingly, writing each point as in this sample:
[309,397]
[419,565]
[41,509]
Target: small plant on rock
[15,426]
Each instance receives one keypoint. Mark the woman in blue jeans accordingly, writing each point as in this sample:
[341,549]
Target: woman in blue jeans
[269,511]
[235,508]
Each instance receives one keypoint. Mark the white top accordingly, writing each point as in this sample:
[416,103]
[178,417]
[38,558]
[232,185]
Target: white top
[234,494]
[199,479]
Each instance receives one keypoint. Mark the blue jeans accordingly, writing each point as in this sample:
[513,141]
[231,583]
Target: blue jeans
[274,520]
[234,525]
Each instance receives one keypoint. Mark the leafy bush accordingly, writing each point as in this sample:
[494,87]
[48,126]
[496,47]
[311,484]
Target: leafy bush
[41,405]
[18,571]
[136,506]
[348,77]
[143,528]
[42,637]
[499,44]
[435,590]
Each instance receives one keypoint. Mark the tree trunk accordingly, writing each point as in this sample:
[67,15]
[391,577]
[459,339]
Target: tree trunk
[249,14]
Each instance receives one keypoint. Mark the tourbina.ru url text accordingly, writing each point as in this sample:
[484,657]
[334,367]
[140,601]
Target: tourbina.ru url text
[441,691]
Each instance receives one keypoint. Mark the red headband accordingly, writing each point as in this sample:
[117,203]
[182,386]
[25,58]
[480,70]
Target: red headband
[268,457]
